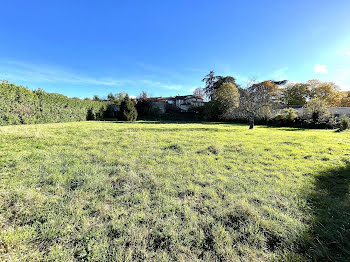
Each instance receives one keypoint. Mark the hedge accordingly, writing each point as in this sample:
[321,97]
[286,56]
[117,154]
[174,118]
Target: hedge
[20,105]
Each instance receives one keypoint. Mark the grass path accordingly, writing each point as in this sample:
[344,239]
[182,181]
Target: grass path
[103,191]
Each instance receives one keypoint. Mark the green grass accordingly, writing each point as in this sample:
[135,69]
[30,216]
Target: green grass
[105,191]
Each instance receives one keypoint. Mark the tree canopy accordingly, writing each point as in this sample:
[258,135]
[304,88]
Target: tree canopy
[213,82]
[296,94]
[257,96]
[326,91]
[226,97]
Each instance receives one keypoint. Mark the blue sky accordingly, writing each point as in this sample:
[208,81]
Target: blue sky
[82,48]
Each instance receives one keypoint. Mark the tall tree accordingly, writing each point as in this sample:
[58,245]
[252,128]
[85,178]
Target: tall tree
[127,109]
[257,96]
[344,101]
[226,97]
[326,91]
[212,83]
[296,94]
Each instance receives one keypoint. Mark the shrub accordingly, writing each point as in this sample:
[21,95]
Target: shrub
[287,115]
[344,123]
[128,110]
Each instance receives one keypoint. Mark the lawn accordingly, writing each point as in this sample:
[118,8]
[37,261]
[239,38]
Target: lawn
[105,191]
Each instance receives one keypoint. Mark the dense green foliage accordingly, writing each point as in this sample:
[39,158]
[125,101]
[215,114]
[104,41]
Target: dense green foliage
[127,109]
[144,191]
[287,115]
[213,83]
[344,123]
[20,105]
[296,94]
[300,93]
[227,98]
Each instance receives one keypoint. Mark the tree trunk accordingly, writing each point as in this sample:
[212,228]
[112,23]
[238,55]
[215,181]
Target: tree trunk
[251,121]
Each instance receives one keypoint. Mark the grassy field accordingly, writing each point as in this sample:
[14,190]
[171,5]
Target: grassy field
[105,191]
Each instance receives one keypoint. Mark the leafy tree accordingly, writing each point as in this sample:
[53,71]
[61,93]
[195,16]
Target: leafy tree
[226,97]
[317,110]
[344,100]
[212,83]
[326,91]
[296,94]
[258,96]
[127,109]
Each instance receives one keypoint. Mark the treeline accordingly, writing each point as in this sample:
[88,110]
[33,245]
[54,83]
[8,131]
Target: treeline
[258,102]
[267,102]
[20,105]
[264,101]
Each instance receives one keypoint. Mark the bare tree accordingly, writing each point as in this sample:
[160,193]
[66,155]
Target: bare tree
[143,95]
[257,96]
[199,92]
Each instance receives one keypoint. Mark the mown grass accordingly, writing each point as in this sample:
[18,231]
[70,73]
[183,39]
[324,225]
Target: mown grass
[104,191]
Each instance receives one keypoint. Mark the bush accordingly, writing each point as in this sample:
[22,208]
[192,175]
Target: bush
[128,110]
[344,123]
[287,115]
[20,105]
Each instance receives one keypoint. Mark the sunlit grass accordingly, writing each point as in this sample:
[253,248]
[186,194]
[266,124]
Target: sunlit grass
[106,191]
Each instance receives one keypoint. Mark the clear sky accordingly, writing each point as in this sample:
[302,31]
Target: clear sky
[82,48]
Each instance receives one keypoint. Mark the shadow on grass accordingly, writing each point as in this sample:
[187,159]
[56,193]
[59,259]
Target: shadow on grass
[283,128]
[331,210]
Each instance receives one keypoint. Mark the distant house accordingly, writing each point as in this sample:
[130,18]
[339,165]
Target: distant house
[340,111]
[186,102]
[183,103]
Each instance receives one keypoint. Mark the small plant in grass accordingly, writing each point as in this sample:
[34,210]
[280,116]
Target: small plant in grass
[344,123]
